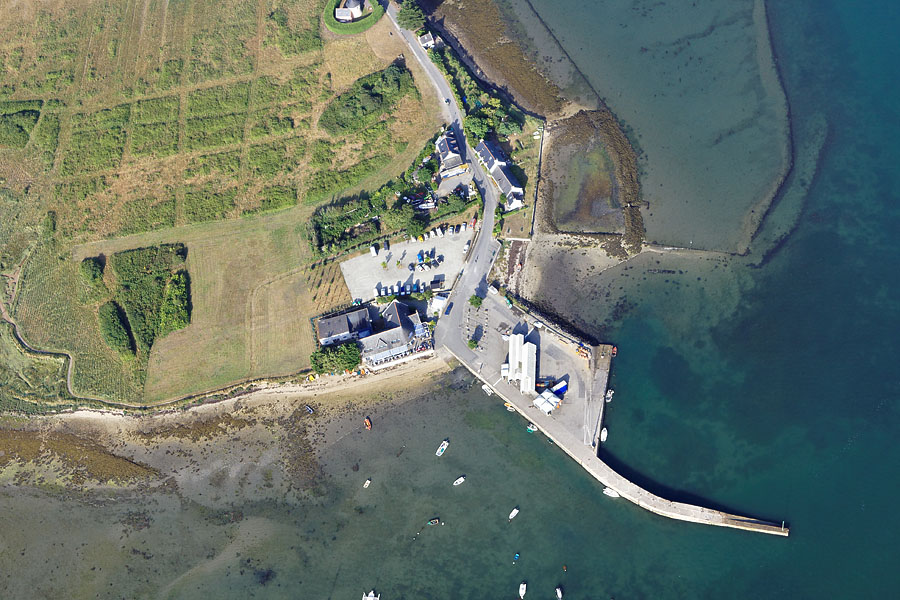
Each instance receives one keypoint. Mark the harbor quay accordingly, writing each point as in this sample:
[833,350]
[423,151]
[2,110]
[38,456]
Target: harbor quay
[575,425]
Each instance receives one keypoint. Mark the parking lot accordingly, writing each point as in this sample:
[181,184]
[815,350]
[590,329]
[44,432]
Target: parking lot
[556,359]
[366,275]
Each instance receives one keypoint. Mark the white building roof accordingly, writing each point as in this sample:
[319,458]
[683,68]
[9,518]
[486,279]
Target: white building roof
[522,362]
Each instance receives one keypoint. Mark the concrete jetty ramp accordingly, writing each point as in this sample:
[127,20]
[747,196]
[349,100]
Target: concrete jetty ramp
[586,455]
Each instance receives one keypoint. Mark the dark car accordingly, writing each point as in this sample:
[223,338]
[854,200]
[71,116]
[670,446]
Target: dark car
[449,308]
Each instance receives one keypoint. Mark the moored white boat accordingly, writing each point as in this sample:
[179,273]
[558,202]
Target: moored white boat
[512,515]
[559,592]
[609,395]
[367,483]
[522,588]
[487,389]
[611,492]
[442,448]
[459,480]
[603,434]
[371,596]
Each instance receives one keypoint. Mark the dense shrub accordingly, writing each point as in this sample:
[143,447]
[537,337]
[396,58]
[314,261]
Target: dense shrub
[366,100]
[175,312]
[114,327]
[92,272]
[15,128]
[334,359]
[410,16]
[143,275]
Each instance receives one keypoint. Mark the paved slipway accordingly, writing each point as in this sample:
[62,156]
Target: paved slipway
[473,279]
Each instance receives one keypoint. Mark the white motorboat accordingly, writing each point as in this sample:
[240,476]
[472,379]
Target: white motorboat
[512,515]
[459,480]
[367,483]
[371,596]
[487,389]
[442,448]
[603,434]
[609,395]
[559,592]
[611,492]
[522,588]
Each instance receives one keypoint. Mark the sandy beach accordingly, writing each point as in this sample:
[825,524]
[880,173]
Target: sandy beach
[264,442]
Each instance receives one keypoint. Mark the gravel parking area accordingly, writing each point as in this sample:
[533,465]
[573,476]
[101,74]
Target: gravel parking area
[365,274]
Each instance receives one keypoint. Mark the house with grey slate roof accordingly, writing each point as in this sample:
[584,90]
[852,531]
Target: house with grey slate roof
[495,164]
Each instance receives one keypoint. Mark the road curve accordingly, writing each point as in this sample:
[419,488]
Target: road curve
[475,269]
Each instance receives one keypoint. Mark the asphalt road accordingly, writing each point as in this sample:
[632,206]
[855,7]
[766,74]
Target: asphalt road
[450,330]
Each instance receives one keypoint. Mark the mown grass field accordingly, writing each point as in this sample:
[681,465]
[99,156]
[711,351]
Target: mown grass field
[193,122]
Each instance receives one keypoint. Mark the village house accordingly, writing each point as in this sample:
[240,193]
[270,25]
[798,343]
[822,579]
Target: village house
[496,166]
[452,163]
[403,335]
[353,325]
[349,10]
[429,41]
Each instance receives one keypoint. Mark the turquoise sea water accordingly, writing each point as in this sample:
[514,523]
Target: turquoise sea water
[771,390]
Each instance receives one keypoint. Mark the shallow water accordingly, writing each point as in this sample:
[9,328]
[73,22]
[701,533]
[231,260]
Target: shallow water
[771,391]
[693,84]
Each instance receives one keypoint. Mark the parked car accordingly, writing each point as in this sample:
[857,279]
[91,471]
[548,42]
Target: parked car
[467,246]
[449,306]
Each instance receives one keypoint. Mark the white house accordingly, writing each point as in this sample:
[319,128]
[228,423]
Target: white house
[348,11]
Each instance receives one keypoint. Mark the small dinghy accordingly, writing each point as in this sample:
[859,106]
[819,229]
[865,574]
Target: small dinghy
[368,423]
[603,434]
[367,483]
[512,515]
[459,480]
[522,588]
[434,521]
[531,428]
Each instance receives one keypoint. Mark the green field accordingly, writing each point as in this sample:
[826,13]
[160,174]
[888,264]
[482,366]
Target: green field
[132,125]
